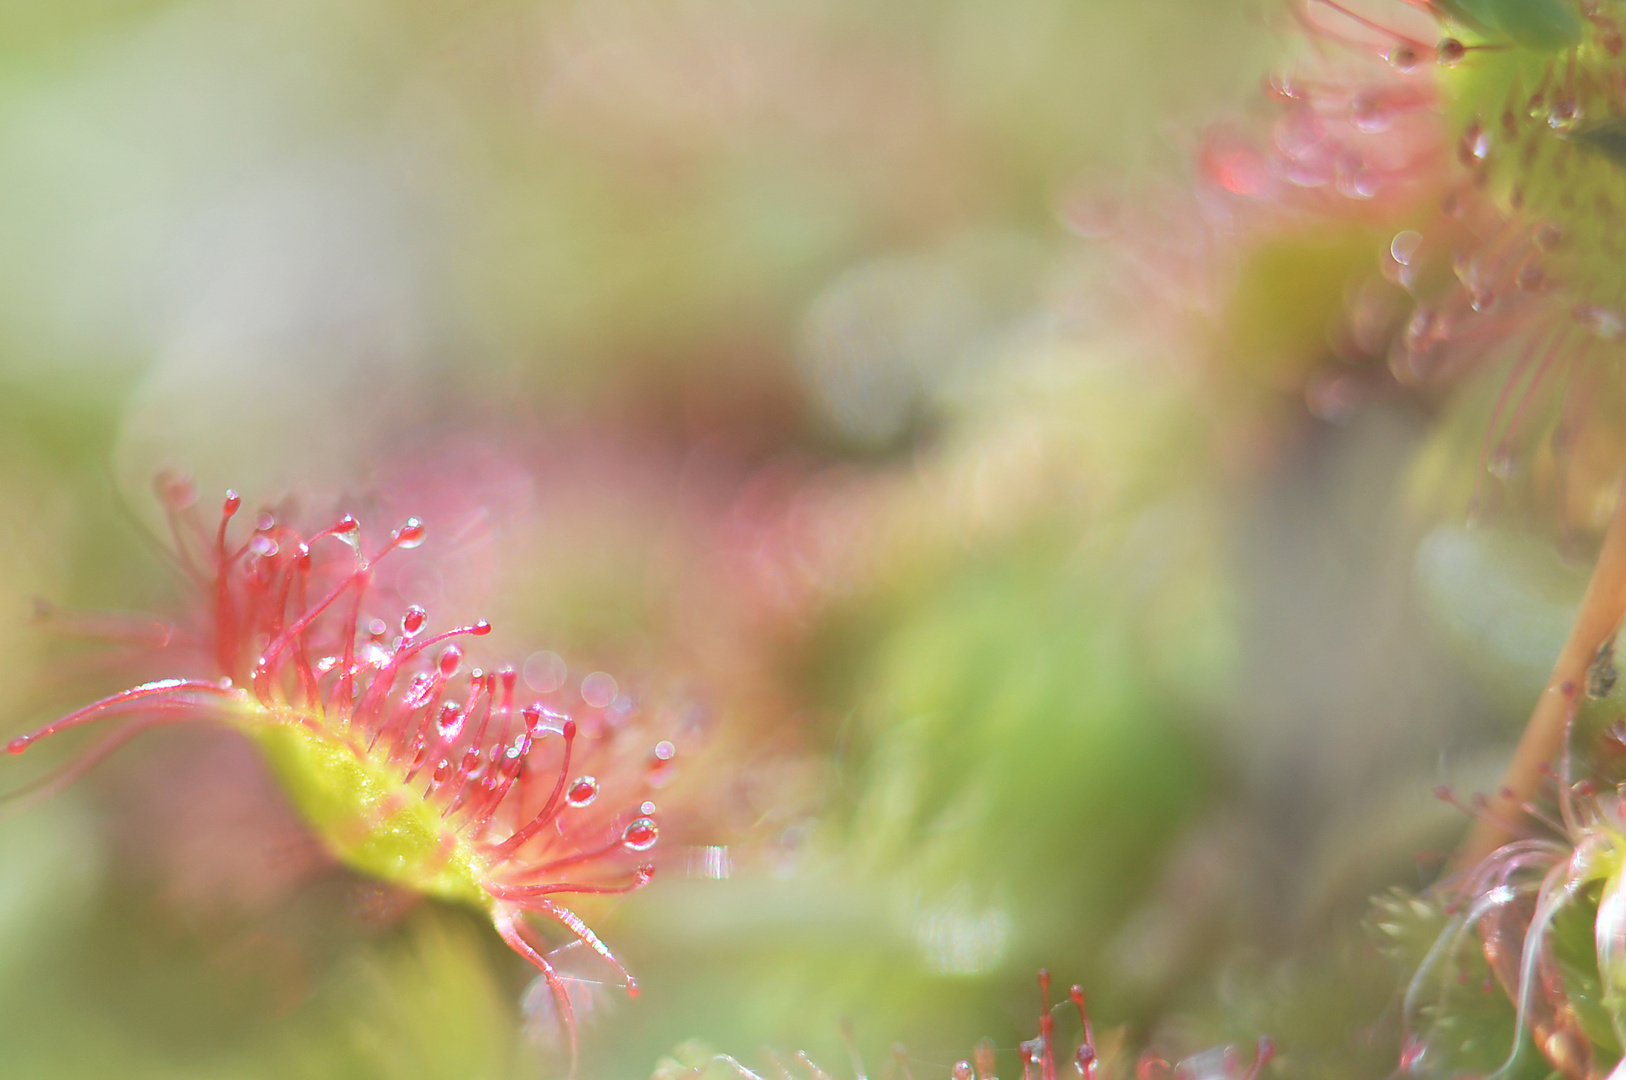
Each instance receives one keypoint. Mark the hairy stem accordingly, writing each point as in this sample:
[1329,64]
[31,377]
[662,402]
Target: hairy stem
[1602,607]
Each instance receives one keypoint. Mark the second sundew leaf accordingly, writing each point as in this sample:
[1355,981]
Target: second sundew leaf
[1575,948]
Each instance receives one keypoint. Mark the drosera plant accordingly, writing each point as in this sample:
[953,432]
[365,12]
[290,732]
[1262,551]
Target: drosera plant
[1039,1057]
[1517,963]
[408,765]
[1516,267]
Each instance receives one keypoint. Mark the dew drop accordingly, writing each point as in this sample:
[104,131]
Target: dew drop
[451,658]
[377,627]
[1563,115]
[599,689]
[1475,144]
[582,792]
[409,535]
[1501,463]
[449,724]
[233,503]
[348,530]
[665,751]
[265,521]
[480,628]
[418,691]
[1604,322]
[646,808]
[640,835]
[1370,115]
[263,546]
[412,622]
[1403,58]
[1405,245]
[1450,51]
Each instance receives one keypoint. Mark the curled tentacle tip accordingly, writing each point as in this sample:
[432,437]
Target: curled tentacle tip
[18,745]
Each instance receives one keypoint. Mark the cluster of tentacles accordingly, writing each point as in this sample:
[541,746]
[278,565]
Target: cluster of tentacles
[1038,1055]
[409,766]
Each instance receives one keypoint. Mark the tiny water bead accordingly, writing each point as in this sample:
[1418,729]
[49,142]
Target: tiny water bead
[410,535]
[640,835]
[582,792]
[412,622]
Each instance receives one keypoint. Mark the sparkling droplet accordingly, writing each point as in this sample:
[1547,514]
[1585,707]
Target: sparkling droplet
[234,502]
[1564,114]
[1501,463]
[412,622]
[348,530]
[409,535]
[665,751]
[1450,51]
[1602,321]
[418,692]
[451,658]
[582,792]
[377,627]
[449,724]
[640,835]
[442,771]
[1403,58]
[599,689]
[265,521]
[263,546]
[1405,245]
[1370,115]
[1475,144]
[646,808]
[480,629]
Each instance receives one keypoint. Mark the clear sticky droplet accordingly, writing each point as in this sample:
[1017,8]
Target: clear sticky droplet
[545,671]
[449,724]
[413,621]
[348,530]
[599,689]
[263,546]
[640,835]
[450,659]
[377,627]
[418,691]
[409,535]
[480,628]
[442,771]
[582,792]
[1370,115]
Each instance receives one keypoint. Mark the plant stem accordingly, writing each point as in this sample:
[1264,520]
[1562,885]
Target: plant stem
[1602,607]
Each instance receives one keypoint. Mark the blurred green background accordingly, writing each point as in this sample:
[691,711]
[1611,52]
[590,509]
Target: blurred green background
[775,354]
